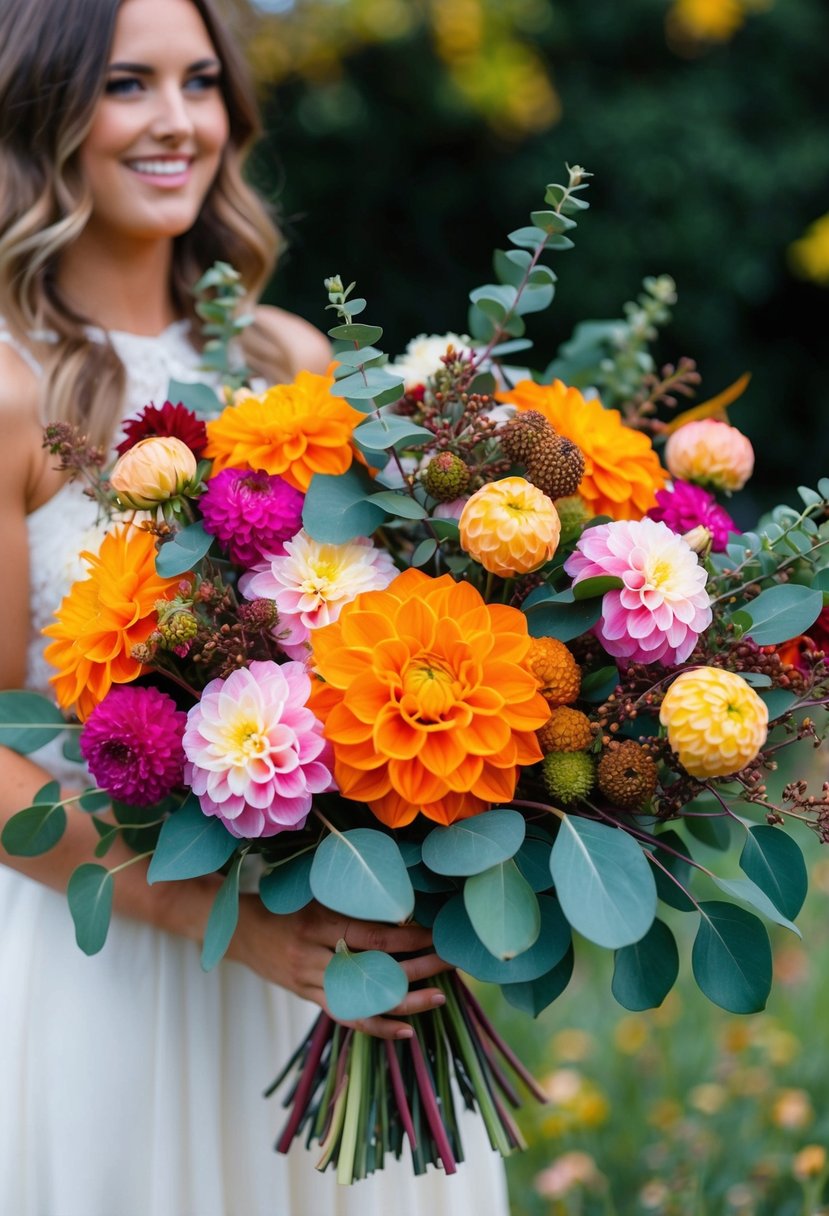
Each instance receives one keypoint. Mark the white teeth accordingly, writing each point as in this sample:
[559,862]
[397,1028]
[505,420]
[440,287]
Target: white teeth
[164,168]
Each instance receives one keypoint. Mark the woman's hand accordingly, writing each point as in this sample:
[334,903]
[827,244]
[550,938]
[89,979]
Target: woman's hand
[293,951]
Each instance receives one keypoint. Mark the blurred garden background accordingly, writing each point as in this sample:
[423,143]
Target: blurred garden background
[404,139]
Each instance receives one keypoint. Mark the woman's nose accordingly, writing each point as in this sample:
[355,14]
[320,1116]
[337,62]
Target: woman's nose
[172,119]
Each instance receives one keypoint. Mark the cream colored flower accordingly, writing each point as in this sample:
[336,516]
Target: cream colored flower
[710,453]
[153,471]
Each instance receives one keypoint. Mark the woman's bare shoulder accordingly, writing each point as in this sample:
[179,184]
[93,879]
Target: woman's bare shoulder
[20,430]
[305,347]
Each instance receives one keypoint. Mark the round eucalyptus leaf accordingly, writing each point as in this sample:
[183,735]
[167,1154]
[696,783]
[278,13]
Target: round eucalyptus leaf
[361,873]
[362,984]
[603,881]
[457,942]
[775,863]
[731,958]
[645,972]
[503,909]
[473,845]
[89,893]
[287,887]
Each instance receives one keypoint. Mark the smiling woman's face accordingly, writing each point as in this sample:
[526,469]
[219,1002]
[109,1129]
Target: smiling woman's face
[159,128]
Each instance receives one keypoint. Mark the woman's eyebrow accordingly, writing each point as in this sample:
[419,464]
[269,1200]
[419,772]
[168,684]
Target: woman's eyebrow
[143,69]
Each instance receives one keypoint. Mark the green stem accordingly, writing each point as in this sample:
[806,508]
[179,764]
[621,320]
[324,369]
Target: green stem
[348,1144]
[131,861]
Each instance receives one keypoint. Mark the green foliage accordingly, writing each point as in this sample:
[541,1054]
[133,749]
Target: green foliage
[28,720]
[219,293]
[363,984]
[224,917]
[604,882]
[503,909]
[287,887]
[457,942]
[183,551]
[646,971]
[190,844]
[89,893]
[782,612]
[199,398]
[362,873]
[534,996]
[337,507]
[731,957]
[473,845]
[776,864]
[39,827]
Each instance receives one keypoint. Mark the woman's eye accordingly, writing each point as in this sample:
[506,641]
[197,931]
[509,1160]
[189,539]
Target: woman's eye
[203,82]
[122,85]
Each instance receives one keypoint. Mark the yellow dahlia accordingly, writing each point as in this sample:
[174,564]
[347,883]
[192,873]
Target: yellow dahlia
[621,470]
[293,430]
[426,699]
[103,617]
[716,722]
[510,527]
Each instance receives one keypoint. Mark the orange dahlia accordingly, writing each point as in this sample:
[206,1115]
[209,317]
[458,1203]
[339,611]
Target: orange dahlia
[621,470]
[103,617]
[426,701]
[293,430]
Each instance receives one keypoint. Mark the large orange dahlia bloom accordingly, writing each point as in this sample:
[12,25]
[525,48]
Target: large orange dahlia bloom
[427,700]
[292,430]
[621,470]
[103,617]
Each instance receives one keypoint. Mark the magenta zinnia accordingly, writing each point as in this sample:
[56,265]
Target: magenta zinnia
[662,606]
[252,514]
[684,507]
[255,752]
[132,744]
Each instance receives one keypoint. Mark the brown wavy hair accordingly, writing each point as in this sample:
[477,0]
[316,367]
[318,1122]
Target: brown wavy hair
[52,72]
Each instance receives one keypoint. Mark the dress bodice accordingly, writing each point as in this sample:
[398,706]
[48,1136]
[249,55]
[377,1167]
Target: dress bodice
[68,523]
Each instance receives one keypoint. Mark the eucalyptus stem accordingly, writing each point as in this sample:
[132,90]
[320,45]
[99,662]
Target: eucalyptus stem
[487,1107]
[348,1143]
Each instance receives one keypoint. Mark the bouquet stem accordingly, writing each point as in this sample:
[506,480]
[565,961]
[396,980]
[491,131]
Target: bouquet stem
[361,1098]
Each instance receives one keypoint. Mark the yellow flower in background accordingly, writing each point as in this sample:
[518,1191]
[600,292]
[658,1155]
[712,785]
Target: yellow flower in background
[809,257]
[792,1110]
[705,20]
[621,470]
[152,471]
[631,1034]
[810,1162]
[510,527]
[716,722]
[291,430]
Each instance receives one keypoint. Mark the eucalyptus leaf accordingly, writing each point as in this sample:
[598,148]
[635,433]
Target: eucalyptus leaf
[783,612]
[596,686]
[424,552]
[670,892]
[731,957]
[396,502]
[184,551]
[564,621]
[356,333]
[34,830]
[89,894]
[28,720]
[287,887]
[361,873]
[503,909]
[778,701]
[365,386]
[457,942]
[775,863]
[337,506]
[199,398]
[473,845]
[588,588]
[748,892]
[534,996]
[646,971]
[711,830]
[94,800]
[378,434]
[223,918]
[361,985]
[190,845]
[533,860]
[603,881]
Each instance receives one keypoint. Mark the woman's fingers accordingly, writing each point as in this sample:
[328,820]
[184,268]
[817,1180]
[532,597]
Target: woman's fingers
[424,966]
[393,939]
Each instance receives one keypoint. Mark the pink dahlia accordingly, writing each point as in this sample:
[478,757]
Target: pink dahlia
[684,507]
[711,453]
[132,744]
[255,752]
[662,607]
[252,514]
[312,581]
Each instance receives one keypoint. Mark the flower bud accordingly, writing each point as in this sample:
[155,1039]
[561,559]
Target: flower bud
[699,539]
[153,471]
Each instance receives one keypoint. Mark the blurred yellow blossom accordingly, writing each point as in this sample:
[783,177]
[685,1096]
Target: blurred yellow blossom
[750,1082]
[736,1036]
[665,1113]
[809,257]
[708,1098]
[669,1011]
[792,1110]
[631,1034]
[810,1162]
[573,1045]
[704,20]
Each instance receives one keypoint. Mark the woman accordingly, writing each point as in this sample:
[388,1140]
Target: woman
[130,1082]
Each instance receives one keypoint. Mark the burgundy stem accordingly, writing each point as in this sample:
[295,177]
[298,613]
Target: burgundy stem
[399,1091]
[433,1115]
[319,1037]
[498,1074]
[489,1030]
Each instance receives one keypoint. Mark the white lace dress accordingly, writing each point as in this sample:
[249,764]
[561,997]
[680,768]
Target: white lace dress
[131,1082]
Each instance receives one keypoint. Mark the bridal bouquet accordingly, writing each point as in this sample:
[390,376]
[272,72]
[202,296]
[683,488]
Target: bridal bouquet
[439,639]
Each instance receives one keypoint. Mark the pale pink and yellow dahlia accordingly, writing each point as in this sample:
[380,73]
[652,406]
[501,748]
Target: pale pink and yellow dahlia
[662,607]
[716,722]
[710,453]
[312,581]
[510,527]
[255,752]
